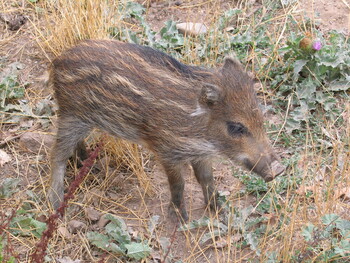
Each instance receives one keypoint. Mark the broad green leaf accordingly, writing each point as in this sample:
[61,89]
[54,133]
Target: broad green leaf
[241,216]
[253,221]
[138,251]
[227,16]
[326,100]
[39,227]
[25,226]
[339,85]
[298,66]
[204,221]
[301,113]
[97,239]
[132,9]
[343,248]
[12,107]
[292,125]
[10,90]
[307,232]
[306,89]
[297,116]
[169,29]
[112,247]
[253,242]
[242,39]
[170,36]
[44,107]
[103,242]
[329,219]
[329,222]
[8,186]
[344,227]
[117,230]
[116,222]
[329,59]
[211,235]
[254,184]
[220,225]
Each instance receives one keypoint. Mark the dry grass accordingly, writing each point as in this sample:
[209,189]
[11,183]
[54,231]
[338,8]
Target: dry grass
[119,183]
[68,22]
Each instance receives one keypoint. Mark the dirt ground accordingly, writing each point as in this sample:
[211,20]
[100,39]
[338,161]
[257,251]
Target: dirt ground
[329,15]
[21,46]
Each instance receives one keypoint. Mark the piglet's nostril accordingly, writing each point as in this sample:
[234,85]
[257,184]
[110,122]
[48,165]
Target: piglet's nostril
[277,168]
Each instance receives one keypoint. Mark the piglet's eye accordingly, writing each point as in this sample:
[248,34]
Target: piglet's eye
[236,128]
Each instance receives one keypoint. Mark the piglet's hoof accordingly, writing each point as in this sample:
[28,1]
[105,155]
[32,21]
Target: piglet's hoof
[177,215]
[214,203]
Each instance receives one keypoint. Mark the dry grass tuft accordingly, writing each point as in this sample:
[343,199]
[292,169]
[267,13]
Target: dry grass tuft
[130,156]
[68,22]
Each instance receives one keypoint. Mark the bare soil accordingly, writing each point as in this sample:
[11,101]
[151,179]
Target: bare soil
[121,196]
[328,15]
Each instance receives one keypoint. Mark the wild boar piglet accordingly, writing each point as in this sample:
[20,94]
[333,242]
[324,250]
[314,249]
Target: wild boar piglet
[184,114]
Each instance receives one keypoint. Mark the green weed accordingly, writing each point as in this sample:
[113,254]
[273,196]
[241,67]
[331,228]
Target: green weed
[329,242]
[10,89]
[118,240]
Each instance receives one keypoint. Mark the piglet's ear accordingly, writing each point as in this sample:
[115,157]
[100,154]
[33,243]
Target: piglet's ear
[210,95]
[231,64]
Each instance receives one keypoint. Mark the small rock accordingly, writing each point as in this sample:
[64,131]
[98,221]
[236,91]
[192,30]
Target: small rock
[221,243]
[92,214]
[14,21]
[35,142]
[112,195]
[4,158]
[192,29]
[102,222]
[64,232]
[74,226]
